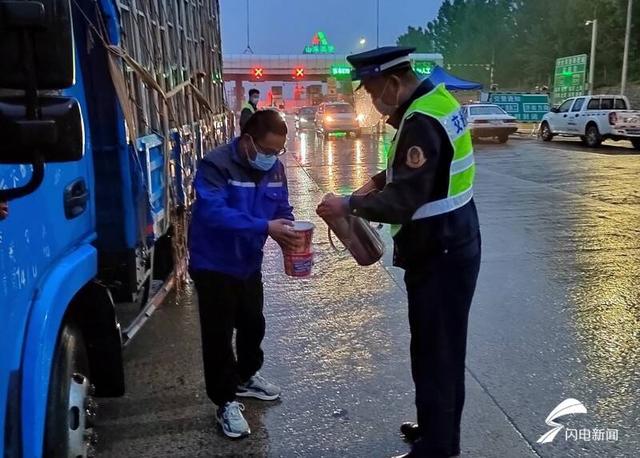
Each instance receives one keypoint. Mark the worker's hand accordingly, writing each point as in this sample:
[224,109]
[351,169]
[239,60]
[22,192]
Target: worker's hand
[368,187]
[4,210]
[332,207]
[281,230]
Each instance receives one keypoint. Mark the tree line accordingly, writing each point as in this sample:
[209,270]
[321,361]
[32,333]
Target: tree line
[523,38]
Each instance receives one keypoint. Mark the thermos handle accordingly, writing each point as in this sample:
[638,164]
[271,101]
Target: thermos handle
[332,243]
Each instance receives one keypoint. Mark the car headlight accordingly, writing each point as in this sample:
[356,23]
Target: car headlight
[360,118]
[328,118]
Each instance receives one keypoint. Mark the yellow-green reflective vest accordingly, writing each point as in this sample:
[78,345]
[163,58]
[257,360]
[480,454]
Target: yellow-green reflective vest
[247,105]
[440,105]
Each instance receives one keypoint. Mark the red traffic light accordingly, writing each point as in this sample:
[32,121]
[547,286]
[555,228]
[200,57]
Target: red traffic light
[299,73]
[258,72]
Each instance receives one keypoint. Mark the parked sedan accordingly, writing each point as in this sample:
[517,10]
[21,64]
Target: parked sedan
[306,118]
[486,120]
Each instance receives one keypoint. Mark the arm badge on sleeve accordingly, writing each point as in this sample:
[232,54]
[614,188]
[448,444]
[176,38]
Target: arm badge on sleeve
[416,157]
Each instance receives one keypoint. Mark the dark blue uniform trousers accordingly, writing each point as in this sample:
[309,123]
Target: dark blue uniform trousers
[440,292]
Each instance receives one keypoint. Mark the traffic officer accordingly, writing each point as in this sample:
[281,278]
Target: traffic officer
[426,195]
[249,107]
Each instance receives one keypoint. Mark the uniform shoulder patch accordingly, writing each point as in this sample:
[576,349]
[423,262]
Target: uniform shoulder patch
[416,157]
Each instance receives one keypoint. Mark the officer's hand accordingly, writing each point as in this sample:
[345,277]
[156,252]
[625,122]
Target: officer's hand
[4,210]
[332,207]
[281,230]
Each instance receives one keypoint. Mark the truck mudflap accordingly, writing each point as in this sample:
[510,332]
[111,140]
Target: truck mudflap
[12,420]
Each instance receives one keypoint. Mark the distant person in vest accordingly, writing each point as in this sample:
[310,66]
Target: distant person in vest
[426,195]
[249,107]
[241,199]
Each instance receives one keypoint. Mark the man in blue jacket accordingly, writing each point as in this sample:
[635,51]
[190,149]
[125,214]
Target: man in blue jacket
[241,198]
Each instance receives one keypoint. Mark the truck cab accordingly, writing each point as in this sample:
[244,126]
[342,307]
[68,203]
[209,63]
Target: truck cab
[101,137]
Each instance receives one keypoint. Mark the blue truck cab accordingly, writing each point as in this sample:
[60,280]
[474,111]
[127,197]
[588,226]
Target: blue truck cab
[105,108]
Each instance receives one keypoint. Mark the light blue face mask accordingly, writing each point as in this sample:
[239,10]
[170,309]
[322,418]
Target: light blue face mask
[263,161]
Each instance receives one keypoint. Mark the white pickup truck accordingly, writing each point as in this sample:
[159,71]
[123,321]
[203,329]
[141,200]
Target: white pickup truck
[593,118]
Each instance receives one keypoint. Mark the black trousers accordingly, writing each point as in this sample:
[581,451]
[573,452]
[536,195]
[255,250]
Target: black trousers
[440,294]
[227,303]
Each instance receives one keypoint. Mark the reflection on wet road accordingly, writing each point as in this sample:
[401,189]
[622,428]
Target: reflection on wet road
[556,315]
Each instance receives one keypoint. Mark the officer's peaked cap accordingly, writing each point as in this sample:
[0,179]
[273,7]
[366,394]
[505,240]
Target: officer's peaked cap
[379,61]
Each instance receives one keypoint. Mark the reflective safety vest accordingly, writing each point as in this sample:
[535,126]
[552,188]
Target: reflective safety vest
[440,105]
[247,105]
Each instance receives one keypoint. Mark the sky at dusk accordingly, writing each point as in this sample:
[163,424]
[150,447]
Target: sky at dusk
[286,26]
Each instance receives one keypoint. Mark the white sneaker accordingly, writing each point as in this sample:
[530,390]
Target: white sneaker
[257,387]
[232,421]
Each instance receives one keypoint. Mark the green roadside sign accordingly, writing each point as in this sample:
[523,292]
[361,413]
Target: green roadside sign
[524,107]
[319,45]
[341,71]
[423,67]
[570,77]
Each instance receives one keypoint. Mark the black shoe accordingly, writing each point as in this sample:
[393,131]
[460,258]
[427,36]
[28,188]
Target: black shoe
[411,431]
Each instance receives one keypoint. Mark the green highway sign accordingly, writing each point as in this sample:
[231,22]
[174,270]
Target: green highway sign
[319,45]
[570,77]
[525,107]
[341,71]
[423,67]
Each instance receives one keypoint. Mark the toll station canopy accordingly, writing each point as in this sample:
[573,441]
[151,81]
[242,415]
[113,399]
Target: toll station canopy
[440,75]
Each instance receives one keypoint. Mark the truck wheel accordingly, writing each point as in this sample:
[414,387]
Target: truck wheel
[592,136]
[71,409]
[503,138]
[636,143]
[545,132]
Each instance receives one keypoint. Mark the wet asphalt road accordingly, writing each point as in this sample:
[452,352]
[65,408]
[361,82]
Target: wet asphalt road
[556,316]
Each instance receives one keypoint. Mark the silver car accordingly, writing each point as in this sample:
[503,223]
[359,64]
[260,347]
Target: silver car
[306,118]
[335,118]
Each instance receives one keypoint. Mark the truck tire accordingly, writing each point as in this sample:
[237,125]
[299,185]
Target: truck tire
[636,143]
[70,407]
[593,139]
[545,132]
[503,139]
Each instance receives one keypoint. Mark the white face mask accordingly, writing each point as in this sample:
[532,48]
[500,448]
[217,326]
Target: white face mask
[383,108]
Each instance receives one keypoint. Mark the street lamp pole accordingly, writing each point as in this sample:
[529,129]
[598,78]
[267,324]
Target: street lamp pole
[592,62]
[248,50]
[625,58]
[377,23]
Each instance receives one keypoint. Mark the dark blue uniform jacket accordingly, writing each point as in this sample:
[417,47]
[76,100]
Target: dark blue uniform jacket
[233,206]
